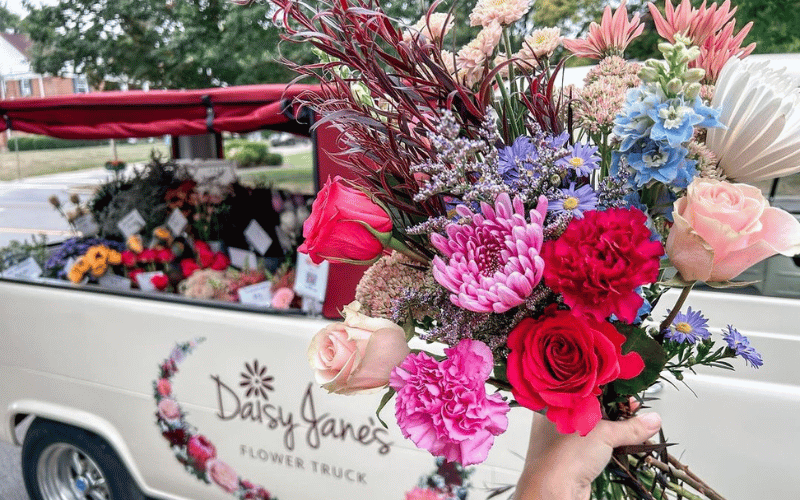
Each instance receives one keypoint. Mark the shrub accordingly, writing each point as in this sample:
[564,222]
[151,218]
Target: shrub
[33,142]
[249,154]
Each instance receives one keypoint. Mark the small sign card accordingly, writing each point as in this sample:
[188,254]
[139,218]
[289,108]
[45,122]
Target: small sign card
[131,223]
[311,279]
[145,284]
[114,282]
[242,259]
[176,222]
[86,225]
[27,269]
[257,237]
[259,294]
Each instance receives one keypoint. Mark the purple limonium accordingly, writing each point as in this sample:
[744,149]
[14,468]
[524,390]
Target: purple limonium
[575,201]
[689,327]
[582,159]
[523,150]
[741,347]
[492,263]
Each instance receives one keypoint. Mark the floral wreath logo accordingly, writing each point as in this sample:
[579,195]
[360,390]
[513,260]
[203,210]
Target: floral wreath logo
[192,449]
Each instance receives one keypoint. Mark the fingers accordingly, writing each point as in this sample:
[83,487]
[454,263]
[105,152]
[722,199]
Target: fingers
[632,431]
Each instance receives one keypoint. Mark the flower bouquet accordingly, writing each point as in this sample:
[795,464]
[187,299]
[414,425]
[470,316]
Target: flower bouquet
[532,228]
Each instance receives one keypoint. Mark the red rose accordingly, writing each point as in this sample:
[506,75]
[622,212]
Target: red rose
[206,257]
[220,262]
[128,258]
[334,231]
[148,255]
[160,281]
[133,273]
[560,360]
[201,450]
[201,246]
[165,255]
[600,261]
[188,266]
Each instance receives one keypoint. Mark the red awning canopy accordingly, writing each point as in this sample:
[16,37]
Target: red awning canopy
[117,115]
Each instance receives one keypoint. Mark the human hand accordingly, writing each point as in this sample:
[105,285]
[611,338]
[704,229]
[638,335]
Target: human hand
[563,466]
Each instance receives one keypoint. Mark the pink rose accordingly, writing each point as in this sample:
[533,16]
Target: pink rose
[334,231]
[283,298]
[201,450]
[168,409]
[223,474]
[423,494]
[721,229]
[164,387]
[443,406]
[357,356]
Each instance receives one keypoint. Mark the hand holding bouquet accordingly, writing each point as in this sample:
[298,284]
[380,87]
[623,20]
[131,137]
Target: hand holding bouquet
[532,228]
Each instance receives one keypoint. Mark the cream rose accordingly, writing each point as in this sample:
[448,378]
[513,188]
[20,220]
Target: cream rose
[357,356]
[721,229]
[168,409]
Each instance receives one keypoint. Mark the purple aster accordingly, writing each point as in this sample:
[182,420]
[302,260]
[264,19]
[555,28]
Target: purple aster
[582,159]
[523,150]
[492,264]
[689,327]
[575,201]
[558,141]
[741,347]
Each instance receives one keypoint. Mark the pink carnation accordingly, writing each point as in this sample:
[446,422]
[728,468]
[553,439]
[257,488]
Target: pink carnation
[423,494]
[493,263]
[443,406]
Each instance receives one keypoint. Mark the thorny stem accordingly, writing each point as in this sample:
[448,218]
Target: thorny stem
[674,312]
[702,487]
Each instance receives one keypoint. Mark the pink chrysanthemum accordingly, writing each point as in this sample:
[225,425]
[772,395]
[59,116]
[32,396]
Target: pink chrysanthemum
[611,37]
[471,59]
[431,28]
[540,44]
[504,12]
[493,263]
[443,406]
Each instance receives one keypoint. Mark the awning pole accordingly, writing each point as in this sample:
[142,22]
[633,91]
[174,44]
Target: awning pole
[113,148]
[16,147]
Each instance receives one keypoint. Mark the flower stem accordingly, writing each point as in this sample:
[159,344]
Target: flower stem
[674,312]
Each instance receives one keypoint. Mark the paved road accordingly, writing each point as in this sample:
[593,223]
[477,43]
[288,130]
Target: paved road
[11,487]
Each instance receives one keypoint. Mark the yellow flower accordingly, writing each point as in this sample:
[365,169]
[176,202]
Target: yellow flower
[81,265]
[99,268]
[114,257]
[75,274]
[135,243]
[96,255]
[162,233]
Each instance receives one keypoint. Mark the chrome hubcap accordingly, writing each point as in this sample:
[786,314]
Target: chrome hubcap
[65,472]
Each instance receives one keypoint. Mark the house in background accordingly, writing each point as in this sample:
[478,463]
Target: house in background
[18,79]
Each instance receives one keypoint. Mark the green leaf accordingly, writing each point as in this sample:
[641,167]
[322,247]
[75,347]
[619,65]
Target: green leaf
[652,354]
[676,282]
[384,400]
[730,284]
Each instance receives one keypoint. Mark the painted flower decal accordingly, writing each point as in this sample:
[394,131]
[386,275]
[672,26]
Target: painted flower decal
[256,380]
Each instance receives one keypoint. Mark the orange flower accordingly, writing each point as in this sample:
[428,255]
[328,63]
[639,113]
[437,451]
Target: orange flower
[162,233]
[114,257]
[135,243]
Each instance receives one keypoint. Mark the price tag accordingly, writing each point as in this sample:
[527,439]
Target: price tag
[86,225]
[176,222]
[257,237]
[242,259]
[259,294]
[114,282]
[145,284]
[27,269]
[311,279]
[131,223]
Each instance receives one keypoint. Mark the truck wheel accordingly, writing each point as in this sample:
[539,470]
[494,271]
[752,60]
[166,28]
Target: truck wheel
[61,462]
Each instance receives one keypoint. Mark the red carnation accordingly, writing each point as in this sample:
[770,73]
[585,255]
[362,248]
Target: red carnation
[188,266]
[128,258]
[148,255]
[600,261]
[133,273]
[206,257]
[160,281]
[165,255]
[220,262]
[560,361]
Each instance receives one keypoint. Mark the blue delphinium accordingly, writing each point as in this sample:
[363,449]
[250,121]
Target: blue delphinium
[634,122]
[575,201]
[741,347]
[689,327]
[655,161]
[582,159]
[674,120]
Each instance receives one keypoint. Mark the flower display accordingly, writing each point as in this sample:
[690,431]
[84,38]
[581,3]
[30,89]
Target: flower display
[357,356]
[531,224]
[440,424]
[721,229]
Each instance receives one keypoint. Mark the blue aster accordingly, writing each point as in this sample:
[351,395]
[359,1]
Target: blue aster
[575,201]
[741,347]
[558,141]
[688,327]
[523,150]
[582,159]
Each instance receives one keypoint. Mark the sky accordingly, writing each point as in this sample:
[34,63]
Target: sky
[15,6]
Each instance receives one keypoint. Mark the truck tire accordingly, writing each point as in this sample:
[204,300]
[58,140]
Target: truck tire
[61,462]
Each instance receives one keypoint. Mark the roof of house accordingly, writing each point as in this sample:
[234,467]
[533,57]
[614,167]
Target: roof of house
[19,41]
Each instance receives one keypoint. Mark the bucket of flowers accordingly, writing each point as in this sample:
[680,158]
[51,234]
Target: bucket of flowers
[531,229]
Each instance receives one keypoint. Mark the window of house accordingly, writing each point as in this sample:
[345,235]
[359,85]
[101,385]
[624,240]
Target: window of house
[25,87]
[80,85]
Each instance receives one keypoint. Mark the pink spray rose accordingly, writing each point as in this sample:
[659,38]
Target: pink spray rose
[334,231]
[201,450]
[164,387]
[357,356]
[223,474]
[423,494]
[168,409]
[443,406]
[721,229]
[282,298]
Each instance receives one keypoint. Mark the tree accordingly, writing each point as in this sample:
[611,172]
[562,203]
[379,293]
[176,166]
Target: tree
[173,44]
[8,20]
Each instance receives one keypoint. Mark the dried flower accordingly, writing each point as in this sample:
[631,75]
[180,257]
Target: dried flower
[385,282]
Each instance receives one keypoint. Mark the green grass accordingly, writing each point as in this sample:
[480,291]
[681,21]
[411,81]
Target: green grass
[43,162]
[296,174]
